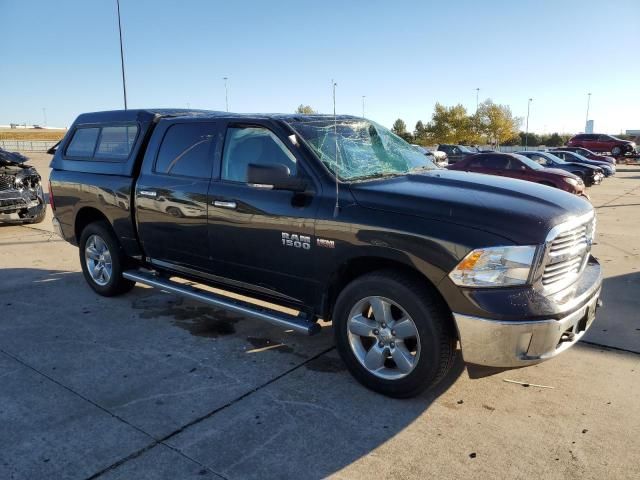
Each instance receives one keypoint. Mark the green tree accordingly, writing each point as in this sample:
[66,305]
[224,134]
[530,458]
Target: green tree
[305,109]
[530,139]
[420,134]
[400,129]
[554,140]
[451,125]
[497,122]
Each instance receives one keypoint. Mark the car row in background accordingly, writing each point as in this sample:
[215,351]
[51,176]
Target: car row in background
[607,168]
[520,167]
[587,154]
[590,175]
[437,157]
[598,142]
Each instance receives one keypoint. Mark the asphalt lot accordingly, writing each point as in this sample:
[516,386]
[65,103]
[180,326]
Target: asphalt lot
[151,386]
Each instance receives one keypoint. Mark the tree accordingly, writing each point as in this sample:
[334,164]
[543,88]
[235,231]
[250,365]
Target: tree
[554,140]
[530,139]
[497,122]
[305,109]
[420,134]
[400,129]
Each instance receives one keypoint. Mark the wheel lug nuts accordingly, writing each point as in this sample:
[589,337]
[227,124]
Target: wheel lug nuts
[393,332]
[381,344]
[384,325]
[392,345]
[376,331]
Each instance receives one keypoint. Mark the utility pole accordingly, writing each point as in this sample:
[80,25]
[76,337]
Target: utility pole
[124,83]
[226,92]
[526,136]
[477,97]
[588,103]
[363,97]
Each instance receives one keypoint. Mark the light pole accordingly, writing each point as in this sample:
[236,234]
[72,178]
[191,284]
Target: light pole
[477,96]
[587,119]
[363,97]
[124,83]
[526,135]
[226,92]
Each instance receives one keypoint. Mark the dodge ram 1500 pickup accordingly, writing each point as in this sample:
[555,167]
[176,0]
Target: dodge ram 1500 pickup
[338,219]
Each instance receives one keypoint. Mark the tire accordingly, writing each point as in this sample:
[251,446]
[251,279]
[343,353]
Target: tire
[98,236]
[615,151]
[431,350]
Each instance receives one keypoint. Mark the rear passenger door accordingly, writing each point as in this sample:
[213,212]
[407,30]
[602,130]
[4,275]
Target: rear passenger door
[171,194]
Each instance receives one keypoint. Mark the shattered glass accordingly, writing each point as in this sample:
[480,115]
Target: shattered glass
[358,149]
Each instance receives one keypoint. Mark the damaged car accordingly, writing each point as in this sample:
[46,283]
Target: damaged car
[20,189]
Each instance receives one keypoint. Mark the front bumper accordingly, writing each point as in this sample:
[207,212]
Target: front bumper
[12,201]
[526,341]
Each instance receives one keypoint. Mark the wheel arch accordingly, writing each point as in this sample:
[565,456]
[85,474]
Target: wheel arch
[355,267]
[84,217]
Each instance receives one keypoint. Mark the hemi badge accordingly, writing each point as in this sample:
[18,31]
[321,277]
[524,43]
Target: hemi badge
[325,243]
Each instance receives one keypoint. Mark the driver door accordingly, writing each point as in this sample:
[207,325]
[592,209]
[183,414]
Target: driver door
[260,238]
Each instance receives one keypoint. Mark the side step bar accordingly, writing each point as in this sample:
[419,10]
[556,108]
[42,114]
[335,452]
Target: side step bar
[296,323]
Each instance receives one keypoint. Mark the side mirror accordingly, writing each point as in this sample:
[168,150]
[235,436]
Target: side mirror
[275,177]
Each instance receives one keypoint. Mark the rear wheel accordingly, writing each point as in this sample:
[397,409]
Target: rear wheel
[103,260]
[393,333]
[615,151]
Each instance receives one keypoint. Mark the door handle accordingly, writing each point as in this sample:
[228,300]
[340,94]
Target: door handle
[221,204]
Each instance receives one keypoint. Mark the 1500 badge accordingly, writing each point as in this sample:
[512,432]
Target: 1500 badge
[296,241]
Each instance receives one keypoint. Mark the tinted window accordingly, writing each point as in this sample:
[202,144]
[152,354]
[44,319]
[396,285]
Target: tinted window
[185,150]
[496,163]
[255,145]
[83,142]
[116,142]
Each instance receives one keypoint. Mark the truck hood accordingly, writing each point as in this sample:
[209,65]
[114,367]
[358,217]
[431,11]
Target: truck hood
[519,211]
[11,158]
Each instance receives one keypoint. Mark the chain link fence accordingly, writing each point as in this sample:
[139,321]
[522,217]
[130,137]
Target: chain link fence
[27,145]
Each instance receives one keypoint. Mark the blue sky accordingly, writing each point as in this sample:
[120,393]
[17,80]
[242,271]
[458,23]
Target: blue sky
[403,55]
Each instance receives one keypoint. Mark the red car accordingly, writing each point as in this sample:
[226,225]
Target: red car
[520,167]
[597,142]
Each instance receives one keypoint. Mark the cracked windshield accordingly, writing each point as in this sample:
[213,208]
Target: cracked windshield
[360,149]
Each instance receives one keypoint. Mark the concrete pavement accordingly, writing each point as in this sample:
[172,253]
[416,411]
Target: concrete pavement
[148,385]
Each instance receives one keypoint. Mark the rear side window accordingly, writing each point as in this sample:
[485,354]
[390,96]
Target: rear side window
[83,142]
[185,151]
[116,142]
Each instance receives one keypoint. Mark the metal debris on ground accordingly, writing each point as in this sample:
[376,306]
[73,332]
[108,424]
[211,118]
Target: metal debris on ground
[526,384]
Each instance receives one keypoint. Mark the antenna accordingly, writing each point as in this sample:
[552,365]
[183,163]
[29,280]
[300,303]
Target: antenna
[335,133]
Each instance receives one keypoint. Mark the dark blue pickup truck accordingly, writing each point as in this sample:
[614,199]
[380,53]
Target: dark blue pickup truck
[337,219]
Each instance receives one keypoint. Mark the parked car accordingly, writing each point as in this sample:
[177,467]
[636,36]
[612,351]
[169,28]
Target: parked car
[602,143]
[589,174]
[20,189]
[607,168]
[587,154]
[437,157]
[522,168]
[455,153]
[338,219]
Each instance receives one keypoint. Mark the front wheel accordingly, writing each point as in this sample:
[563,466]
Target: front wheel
[103,261]
[393,333]
[615,151]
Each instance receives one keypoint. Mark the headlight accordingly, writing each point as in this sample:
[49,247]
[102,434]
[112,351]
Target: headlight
[494,267]
[571,181]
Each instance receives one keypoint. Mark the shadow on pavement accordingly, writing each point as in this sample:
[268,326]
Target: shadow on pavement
[617,323]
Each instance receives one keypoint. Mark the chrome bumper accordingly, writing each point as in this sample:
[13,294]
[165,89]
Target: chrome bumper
[517,344]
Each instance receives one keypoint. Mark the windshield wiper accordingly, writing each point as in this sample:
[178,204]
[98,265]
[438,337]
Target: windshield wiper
[374,176]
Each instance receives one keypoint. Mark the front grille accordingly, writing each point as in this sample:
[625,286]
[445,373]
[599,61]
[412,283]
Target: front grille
[7,182]
[567,253]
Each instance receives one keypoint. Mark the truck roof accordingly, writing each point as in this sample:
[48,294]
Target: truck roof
[134,114]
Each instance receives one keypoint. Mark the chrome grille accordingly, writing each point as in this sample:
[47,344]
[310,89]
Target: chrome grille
[7,182]
[567,252]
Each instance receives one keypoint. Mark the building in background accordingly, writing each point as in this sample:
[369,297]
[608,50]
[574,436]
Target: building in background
[589,127]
